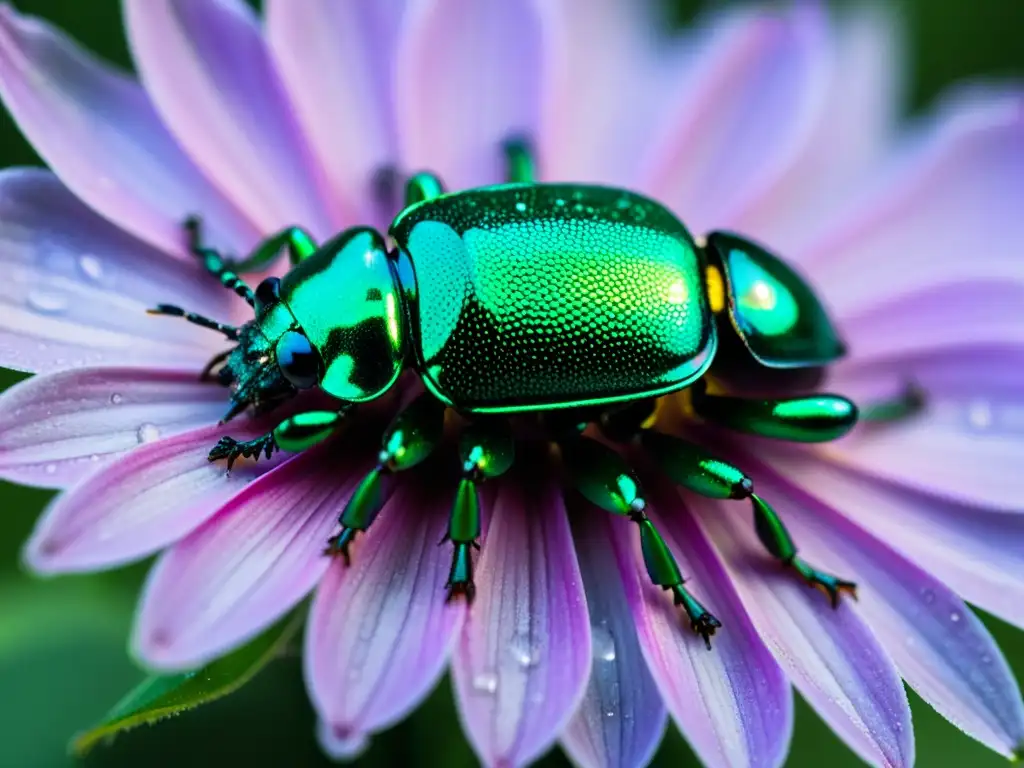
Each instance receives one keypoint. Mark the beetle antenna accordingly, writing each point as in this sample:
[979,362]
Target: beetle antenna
[169,309]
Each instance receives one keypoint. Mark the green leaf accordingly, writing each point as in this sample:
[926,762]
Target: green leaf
[160,697]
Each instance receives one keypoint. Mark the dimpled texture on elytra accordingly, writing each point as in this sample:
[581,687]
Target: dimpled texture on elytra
[553,295]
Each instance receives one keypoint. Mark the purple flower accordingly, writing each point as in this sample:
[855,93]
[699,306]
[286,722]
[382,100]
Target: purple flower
[782,126]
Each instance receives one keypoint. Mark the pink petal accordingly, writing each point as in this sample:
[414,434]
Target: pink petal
[830,655]
[99,132]
[245,566]
[141,503]
[524,657]
[380,631]
[968,443]
[605,80]
[920,226]
[733,703]
[337,61]
[978,553]
[56,429]
[757,94]
[621,718]
[942,650]
[340,746]
[209,73]
[77,287]
[467,77]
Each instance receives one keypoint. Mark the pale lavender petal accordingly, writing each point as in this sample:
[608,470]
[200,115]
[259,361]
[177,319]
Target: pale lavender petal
[733,703]
[206,66]
[380,631]
[337,60]
[946,212]
[248,564]
[76,288]
[976,552]
[523,661]
[99,132]
[940,648]
[865,66]
[830,655]
[605,80]
[756,97]
[467,77]
[56,429]
[338,745]
[141,503]
[967,444]
[621,718]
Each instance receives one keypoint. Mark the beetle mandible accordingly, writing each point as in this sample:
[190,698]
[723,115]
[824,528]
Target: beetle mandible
[578,303]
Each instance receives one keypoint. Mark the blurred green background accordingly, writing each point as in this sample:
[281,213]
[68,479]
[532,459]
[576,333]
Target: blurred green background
[62,642]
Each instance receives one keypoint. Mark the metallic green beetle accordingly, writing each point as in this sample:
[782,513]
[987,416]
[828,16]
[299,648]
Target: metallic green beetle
[579,302]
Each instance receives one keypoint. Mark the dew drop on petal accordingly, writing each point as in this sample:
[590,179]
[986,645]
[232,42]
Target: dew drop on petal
[485,682]
[147,433]
[94,457]
[979,414]
[523,651]
[91,267]
[603,643]
[954,616]
[928,595]
[116,399]
[50,469]
[986,659]
[47,302]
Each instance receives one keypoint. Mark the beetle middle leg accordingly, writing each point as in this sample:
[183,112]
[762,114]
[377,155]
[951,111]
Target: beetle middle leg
[294,434]
[604,479]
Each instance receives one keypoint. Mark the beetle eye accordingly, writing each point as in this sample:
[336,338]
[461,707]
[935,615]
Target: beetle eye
[298,361]
[268,292]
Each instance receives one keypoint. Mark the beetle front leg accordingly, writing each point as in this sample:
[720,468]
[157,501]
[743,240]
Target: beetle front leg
[486,450]
[802,419]
[294,434]
[693,468]
[408,440]
[605,480]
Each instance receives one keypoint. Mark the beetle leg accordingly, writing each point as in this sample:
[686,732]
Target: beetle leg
[693,468]
[294,434]
[604,479]
[486,450]
[422,186]
[408,440]
[520,164]
[805,419]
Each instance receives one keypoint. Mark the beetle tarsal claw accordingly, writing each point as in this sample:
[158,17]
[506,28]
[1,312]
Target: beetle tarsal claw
[337,546]
[831,586]
[231,449]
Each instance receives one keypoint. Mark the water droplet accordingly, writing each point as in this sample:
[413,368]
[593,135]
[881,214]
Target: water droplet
[928,595]
[979,414]
[116,399]
[986,659]
[50,469]
[91,267]
[609,713]
[523,651]
[147,433]
[954,617]
[603,643]
[47,302]
[485,682]
[94,457]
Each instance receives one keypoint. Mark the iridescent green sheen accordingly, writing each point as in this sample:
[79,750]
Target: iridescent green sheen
[602,476]
[414,434]
[694,468]
[422,186]
[487,449]
[304,430]
[771,531]
[776,314]
[464,521]
[346,301]
[810,419]
[364,503]
[537,297]
[661,565]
